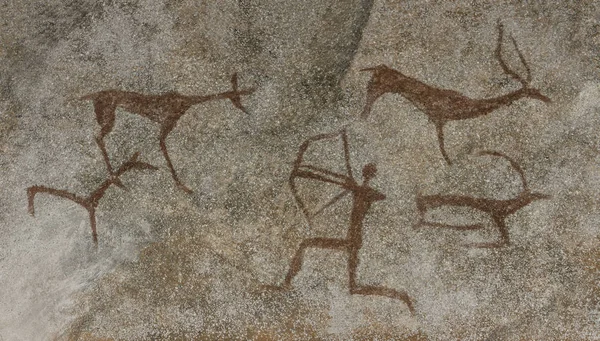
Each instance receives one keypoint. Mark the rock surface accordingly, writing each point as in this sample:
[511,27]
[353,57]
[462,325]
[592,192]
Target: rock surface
[171,265]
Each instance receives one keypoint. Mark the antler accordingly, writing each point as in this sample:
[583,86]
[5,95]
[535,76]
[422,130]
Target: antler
[91,202]
[235,98]
[513,164]
[130,164]
[522,59]
[83,202]
[525,82]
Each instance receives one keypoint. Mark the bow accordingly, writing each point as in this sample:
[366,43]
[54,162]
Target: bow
[307,171]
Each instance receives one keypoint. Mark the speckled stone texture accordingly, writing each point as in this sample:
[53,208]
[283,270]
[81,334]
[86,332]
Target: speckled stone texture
[176,266]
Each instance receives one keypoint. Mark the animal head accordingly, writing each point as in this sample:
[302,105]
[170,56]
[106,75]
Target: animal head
[535,196]
[525,81]
[379,84]
[536,94]
[526,196]
[236,94]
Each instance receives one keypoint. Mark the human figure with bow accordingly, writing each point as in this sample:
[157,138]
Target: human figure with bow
[363,196]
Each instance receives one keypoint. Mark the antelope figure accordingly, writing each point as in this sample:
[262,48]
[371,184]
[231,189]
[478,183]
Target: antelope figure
[499,210]
[442,105]
[165,109]
[91,201]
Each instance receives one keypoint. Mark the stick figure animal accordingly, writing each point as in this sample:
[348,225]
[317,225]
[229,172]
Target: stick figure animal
[442,105]
[90,202]
[165,109]
[363,196]
[498,210]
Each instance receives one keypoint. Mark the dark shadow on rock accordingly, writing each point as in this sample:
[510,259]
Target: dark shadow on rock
[333,48]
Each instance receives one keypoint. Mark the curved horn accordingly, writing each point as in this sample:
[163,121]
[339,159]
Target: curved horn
[503,64]
[513,164]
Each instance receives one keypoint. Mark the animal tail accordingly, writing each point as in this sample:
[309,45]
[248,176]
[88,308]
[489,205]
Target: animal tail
[375,68]
[77,100]
[89,96]
[419,200]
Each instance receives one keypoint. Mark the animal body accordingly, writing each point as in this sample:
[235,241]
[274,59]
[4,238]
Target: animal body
[442,105]
[91,201]
[497,209]
[165,109]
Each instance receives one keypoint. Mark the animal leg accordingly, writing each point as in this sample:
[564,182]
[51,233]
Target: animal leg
[102,146]
[504,237]
[105,115]
[92,213]
[440,134]
[166,129]
[421,208]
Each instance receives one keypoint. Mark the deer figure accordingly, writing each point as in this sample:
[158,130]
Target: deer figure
[165,109]
[498,210]
[442,105]
[91,201]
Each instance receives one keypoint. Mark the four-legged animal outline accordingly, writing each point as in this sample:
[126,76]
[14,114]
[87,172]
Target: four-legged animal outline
[91,201]
[498,210]
[363,196]
[165,109]
[442,105]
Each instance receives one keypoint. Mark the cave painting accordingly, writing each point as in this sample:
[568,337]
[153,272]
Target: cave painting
[165,109]
[498,210]
[90,202]
[442,105]
[363,196]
